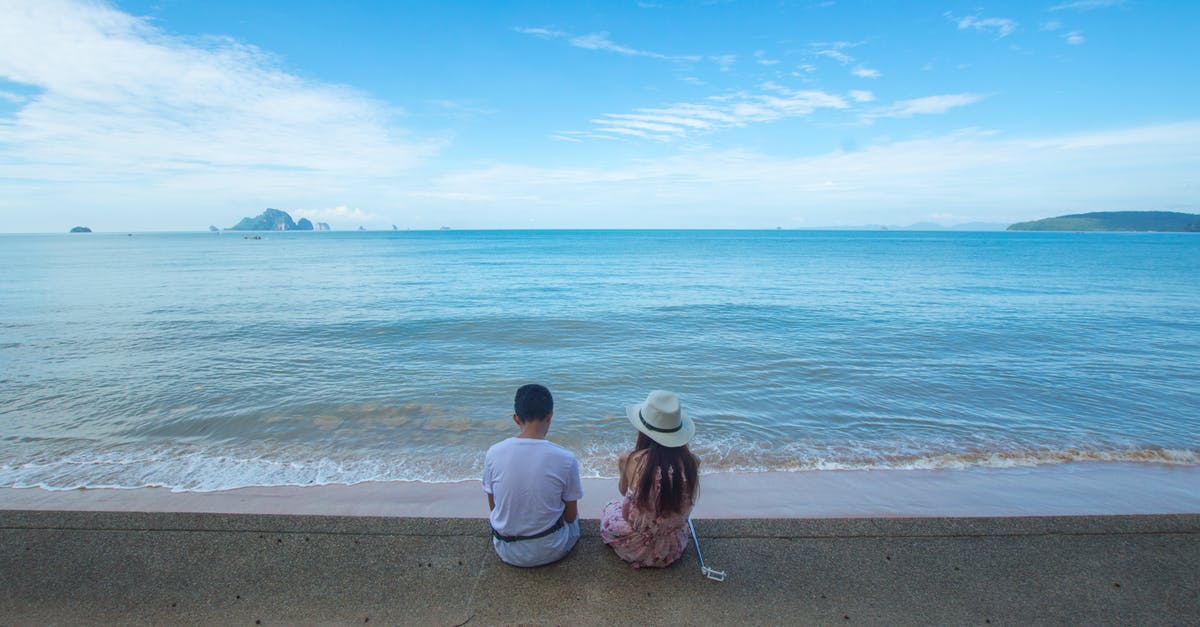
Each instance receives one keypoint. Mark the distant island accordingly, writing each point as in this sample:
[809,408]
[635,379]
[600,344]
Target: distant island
[80,229]
[272,220]
[1157,221]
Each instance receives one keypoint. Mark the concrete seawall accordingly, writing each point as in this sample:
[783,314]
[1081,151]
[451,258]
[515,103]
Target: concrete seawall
[107,567]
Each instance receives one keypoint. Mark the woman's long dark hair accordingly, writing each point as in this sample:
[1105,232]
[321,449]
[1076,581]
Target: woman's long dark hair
[678,469]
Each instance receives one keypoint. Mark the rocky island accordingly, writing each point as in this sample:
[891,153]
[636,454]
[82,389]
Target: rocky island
[272,220]
[1157,221]
[80,229]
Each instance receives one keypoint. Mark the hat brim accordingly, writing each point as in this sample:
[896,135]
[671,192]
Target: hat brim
[670,440]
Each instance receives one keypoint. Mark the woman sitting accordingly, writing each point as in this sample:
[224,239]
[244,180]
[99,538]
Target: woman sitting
[648,526]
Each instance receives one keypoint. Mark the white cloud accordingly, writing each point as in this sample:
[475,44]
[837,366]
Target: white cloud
[1086,5]
[761,58]
[1075,38]
[339,215]
[601,41]
[863,72]
[1051,25]
[775,102]
[971,174]
[928,105]
[680,119]
[541,32]
[836,55]
[1000,26]
[724,61]
[117,101]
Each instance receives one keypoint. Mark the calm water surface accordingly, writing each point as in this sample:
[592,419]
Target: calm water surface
[206,361]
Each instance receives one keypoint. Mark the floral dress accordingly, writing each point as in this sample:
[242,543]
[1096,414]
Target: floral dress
[644,538]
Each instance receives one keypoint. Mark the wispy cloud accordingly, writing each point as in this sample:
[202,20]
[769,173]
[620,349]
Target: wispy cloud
[973,174]
[929,105]
[601,41]
[462,108]
[681,119]
[341,214]
[836,55]
[835,50]
[547,33]
[761,58]
[1075,38]
[13,98]
[118,100]
[775,102]
[999,26]
[1086,5]
[724,61]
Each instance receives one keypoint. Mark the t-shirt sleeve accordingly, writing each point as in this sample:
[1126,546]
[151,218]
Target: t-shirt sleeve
[573,488]
[487,475]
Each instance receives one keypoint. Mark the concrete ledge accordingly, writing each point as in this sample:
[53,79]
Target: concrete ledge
[110,567]
[715,528]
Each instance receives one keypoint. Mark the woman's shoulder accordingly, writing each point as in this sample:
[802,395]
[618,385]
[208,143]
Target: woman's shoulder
[633,458]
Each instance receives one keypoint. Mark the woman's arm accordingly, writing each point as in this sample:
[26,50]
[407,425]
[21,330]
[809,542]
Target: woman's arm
[623,483]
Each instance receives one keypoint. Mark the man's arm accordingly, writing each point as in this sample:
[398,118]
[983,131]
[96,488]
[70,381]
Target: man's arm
[491,502]
[570,511]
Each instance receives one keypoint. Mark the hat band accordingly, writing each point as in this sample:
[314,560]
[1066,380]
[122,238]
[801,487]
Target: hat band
[656,429]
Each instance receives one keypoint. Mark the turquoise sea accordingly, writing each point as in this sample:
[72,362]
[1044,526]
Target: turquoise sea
[203,361]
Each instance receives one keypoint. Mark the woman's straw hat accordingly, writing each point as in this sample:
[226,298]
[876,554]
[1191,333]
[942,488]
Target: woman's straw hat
[662,419]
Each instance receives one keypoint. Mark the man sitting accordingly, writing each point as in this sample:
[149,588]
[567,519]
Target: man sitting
[533,487]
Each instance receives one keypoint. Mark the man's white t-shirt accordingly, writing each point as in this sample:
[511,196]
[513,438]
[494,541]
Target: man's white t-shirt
[530,479]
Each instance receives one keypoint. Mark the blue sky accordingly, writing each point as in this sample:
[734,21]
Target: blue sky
[172,115]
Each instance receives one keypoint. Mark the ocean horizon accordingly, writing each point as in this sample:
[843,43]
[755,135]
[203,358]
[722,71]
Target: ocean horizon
[205,361]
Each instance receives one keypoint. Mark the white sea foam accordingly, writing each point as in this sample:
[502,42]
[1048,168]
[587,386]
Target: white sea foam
[202,471]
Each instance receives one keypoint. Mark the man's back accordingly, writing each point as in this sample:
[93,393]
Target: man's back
[533,486]
[530,480]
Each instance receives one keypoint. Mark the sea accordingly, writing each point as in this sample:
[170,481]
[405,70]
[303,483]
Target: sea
[209,361]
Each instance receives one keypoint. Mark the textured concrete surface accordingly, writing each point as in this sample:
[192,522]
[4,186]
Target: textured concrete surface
[94,567]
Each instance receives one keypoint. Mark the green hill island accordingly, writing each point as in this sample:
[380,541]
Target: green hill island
[1157,221]
[272,220]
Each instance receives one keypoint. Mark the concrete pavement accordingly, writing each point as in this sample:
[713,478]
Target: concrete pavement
[107,567]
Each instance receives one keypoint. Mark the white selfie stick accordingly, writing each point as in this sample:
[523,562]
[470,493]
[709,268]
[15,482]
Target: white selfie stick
[711,573]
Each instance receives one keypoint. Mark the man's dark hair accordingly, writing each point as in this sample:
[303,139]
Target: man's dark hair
[533,402]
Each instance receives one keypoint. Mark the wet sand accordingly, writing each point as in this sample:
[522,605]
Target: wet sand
[1067,489]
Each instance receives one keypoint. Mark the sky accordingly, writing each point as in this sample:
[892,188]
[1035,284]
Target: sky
[172,115]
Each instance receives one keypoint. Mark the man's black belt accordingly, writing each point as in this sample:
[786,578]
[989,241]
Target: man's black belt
[558,524]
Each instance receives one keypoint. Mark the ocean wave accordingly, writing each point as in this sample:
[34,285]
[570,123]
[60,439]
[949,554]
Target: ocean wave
[963,460]
[194,470]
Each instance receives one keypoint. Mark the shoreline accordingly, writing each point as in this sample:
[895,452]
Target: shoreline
[1072,489]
